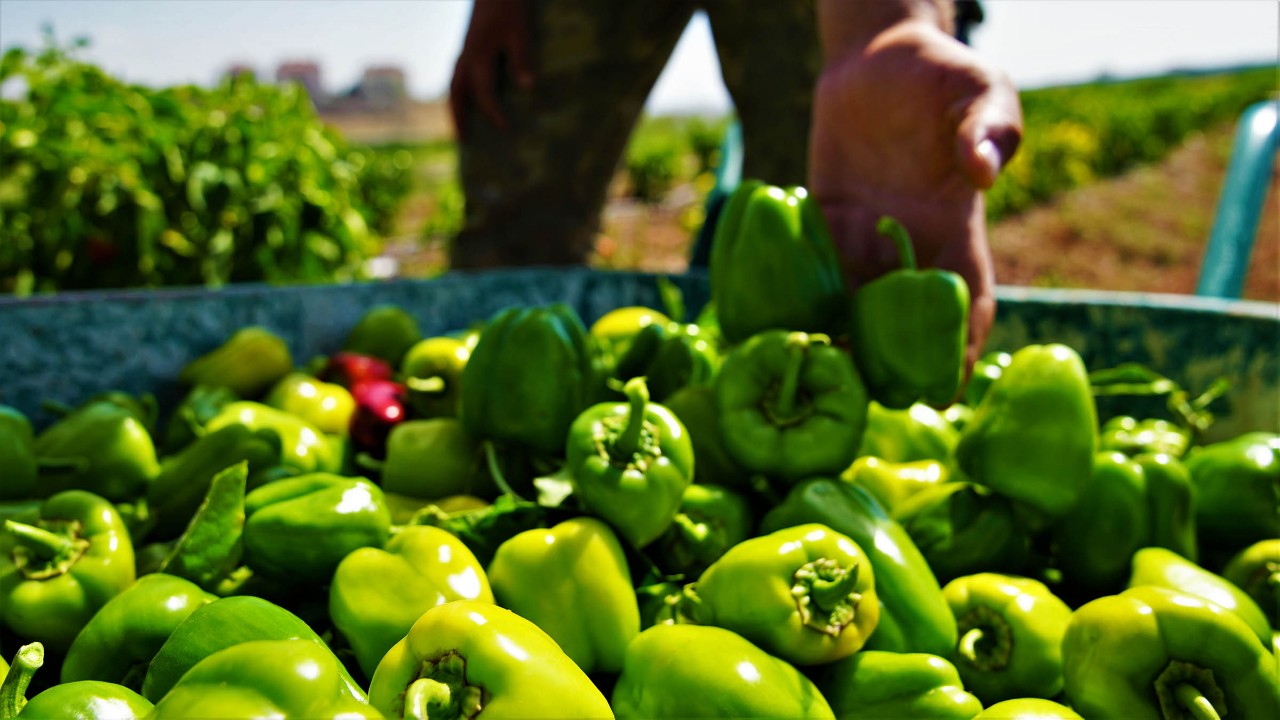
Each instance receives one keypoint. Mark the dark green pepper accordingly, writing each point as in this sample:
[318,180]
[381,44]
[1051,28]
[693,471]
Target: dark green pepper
[774,265]
[432,459]
[528,378]
[1237,491]
[18,470]
[384,331]
[695,406]
[101,447]
[711,519]
[1094,542]
[909,330]
[791,405]
[201,404]
[964,529]
[629,463]
[876,684]
[669,357]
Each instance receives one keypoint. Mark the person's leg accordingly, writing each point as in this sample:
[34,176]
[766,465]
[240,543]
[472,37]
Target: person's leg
[769,58]
[534,192]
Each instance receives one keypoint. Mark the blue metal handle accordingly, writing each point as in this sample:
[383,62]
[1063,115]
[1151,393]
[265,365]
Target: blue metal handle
[1226,258]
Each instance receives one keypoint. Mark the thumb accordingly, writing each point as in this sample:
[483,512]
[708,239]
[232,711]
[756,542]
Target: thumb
[986,139]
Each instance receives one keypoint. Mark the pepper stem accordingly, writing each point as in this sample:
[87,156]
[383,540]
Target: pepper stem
[426,698]
[39,542]
[13,692]
[986,641]
[1195,702]
[40,553]
[628,442]
[495,469]
[826,595]
[968,647]
[898,234]
[784,404]
[441,692]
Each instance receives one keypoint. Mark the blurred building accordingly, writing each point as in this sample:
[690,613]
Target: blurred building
[304,73]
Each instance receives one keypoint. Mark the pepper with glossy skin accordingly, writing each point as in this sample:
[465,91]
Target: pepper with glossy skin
[908,330]
[695,406]
[185,478]
[249,362]
[791,405]
[119,641]
[893,483]
[698,671]
[528,378]
[1034,435]
[349,369]
[1131,436]
[101,447]
[18,469]
[1166,569]
[1111,522]
[875,684]
[303,446]
[264,678]
[986,370]
[774,265]
[914,615]
[432,459]
[1237,490]
[572,581]
[1028,709]
[1170,503]
[57,572]
[630,463]
[381,405]
[810,594]
[916,433]
[221,624]
[432,373]
[669,357]
[964,529]
[86,700]
[377,594]
[384,331]
[613,330]
[327,406]
[711,519]
[299,529]
[1155,654]
[465,658]
[1256,570]
[1011,631]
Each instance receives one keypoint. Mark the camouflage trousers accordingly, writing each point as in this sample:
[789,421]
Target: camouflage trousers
[534,192]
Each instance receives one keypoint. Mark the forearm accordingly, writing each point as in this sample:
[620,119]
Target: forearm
[846,24]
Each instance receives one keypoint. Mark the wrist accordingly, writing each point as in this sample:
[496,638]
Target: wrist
[851,25]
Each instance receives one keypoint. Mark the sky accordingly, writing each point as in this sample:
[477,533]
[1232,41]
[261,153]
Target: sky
[1038,42]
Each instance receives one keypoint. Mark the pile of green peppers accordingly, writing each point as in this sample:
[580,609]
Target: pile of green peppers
[795,504]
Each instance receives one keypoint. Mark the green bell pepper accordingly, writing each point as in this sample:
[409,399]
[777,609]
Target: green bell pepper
[695,406]
[914,615]
[1011,631]
[119,641]
[248,363]
[432,372]
[1166,569]
[185,478]
[432,459]
[876,684]
[1237,491]
[892,483]
[711,519]
[326,406]
[384,331]
[466,658]
[101,447]
[377,594]
[56,573]
[806,594]
[573,582]
[527,379]
[18,469]
[986,370]
[1034,436]
[916,433]
[86,700]
[909,329]
[1028,709]
[221,624]
[265,678]
[1095,540]
[629,463]
[774,265]
[791,405]
[1256,570]
[187,421]
[1170,503]
[1155,654]
[697,671]
[1131,436]
[300,528]
[965,529]
[303,446]
[669,357]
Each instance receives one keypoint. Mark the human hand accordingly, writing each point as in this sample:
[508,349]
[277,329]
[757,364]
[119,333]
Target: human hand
[915,126]
[498,31]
